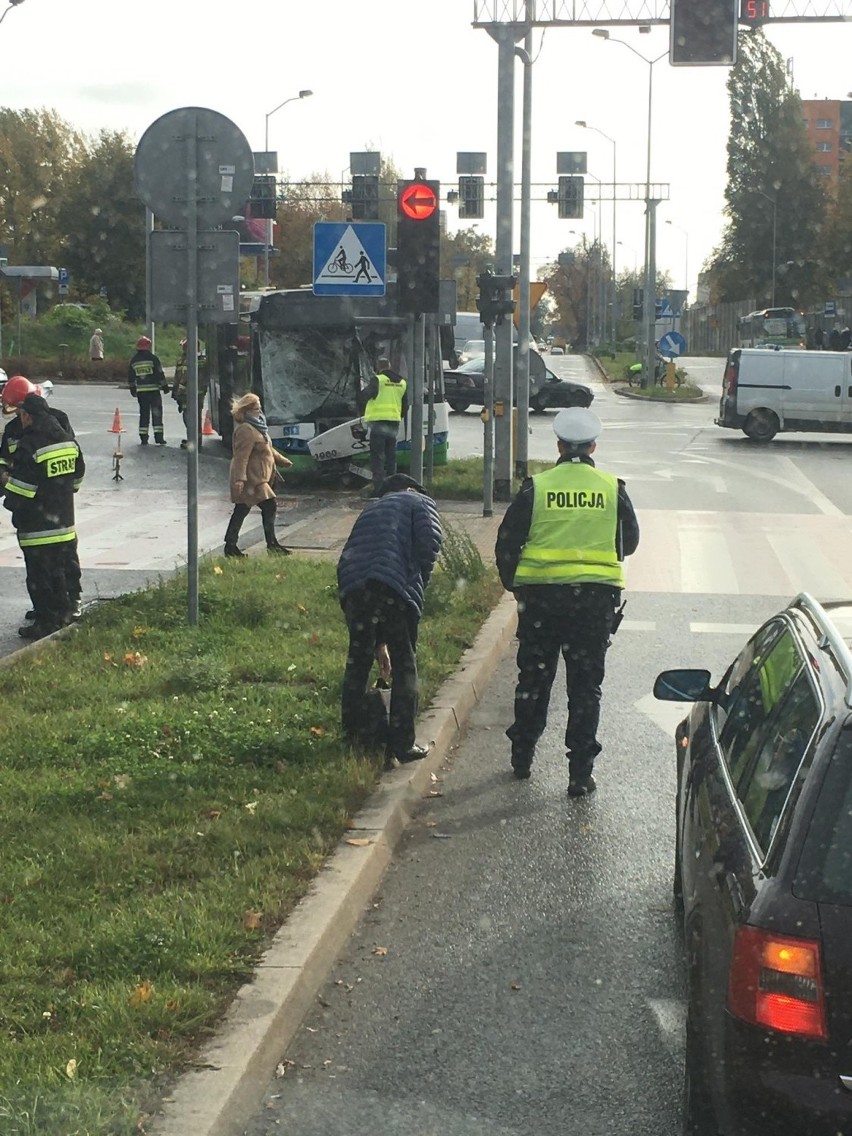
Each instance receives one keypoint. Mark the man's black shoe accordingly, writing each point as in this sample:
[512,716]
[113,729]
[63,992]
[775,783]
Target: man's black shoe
[416,753]
[522,772]
[581,786]
[161,442]
[29,614]
[35,631]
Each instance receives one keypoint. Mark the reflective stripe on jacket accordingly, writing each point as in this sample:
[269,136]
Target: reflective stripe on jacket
[387,405]
[572,537]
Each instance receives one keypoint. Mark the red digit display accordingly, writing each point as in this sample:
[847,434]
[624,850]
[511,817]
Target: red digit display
[754,11]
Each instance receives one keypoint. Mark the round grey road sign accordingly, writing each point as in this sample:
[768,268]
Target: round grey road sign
[218,151]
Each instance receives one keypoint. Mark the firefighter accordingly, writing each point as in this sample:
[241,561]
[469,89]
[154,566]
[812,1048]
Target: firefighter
[387,406]
[14,392]
[559,549]
[40,497]
[147,382]
[180,387]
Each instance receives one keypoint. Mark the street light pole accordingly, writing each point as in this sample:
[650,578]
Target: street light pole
[295,98]
[774,201]
[6,11]
[649,311]
[580,122]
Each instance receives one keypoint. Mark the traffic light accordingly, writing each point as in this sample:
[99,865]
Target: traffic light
[703,32]
[495,297]
[638,303]
[418,245]
[471,198]
[264,191]
[570,197]
[365,197]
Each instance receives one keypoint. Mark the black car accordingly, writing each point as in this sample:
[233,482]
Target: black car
[464,386]
[763,875]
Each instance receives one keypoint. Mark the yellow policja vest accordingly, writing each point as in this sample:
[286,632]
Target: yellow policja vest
[572,537]
[387,405]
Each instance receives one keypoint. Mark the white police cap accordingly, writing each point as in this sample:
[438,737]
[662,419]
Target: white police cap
[577,426]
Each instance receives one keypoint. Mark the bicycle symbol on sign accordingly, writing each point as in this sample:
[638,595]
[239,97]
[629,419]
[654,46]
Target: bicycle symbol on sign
[339,263]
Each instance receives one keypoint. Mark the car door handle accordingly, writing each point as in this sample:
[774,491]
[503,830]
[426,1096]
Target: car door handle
[849,392]
[732,886]
[837,392]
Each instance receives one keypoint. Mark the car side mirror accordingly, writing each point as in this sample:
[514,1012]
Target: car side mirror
[684,686]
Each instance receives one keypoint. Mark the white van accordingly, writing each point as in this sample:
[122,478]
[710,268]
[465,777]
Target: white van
[766,390]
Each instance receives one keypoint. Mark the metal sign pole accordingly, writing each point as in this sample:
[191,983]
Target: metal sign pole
[433,358]
[488,425]
[416,400]
[192,371]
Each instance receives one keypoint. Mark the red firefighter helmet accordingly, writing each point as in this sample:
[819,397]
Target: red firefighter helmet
[15,391]
[143,343]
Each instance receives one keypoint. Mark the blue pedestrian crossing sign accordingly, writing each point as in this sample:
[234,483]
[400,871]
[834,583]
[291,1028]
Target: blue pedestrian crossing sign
[349,258]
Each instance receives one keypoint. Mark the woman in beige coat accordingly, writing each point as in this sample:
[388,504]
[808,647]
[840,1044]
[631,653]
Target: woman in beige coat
[253,463]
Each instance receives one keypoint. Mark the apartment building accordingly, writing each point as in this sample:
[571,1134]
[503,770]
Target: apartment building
[829,126]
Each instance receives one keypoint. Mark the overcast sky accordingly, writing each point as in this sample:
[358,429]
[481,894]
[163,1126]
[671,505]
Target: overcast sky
[417,82]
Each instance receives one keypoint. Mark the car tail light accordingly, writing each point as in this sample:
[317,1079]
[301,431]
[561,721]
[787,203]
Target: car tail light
[730,380]
[776,982]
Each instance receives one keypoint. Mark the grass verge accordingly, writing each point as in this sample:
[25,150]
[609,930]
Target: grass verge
[167,795]
[459,480]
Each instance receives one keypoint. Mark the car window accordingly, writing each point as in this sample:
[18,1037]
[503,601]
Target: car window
[757,680]
[824,872]
[766,786]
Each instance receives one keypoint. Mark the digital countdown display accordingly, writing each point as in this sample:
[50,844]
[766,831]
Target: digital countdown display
[754,11]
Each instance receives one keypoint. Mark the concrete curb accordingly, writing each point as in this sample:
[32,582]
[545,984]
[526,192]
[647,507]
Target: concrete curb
[234,1070]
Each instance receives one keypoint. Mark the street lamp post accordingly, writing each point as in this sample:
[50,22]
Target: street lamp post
[685,255]
[774,201]
[584,124]
[650,218]
[6,11]
[295,98]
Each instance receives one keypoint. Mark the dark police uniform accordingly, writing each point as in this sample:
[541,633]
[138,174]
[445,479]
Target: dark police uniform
[559,549]
[8,446]
[40,497]
[147,382]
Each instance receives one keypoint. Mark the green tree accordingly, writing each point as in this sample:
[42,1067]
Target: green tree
[103,222]
[836,242]
[774,199]
[39,152]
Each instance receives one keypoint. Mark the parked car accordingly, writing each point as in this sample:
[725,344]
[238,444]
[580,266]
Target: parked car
[464,387]
[763,875]
[557,351]
[473,349]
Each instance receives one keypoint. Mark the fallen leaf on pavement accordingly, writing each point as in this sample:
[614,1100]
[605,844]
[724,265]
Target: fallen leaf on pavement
[358,841]
[380,951]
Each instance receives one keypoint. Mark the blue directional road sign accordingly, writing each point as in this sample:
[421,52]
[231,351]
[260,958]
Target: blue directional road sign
[349,258]
[672,343]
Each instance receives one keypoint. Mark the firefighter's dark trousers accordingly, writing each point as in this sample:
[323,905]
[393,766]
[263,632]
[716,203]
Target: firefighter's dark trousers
[377,614]
[150,412]
[47,582]
[574,621]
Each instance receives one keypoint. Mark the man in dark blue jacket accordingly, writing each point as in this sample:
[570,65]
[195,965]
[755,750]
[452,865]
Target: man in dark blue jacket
[381,577]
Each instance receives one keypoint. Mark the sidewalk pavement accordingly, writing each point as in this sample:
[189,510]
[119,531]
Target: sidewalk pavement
[233,1071]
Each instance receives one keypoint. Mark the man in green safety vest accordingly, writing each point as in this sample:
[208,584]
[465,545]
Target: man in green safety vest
[560,549]
[387,406]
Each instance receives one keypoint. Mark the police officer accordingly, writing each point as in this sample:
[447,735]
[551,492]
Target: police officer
[387,406]
[559,549]
[40,497]
[147,382]
[13,395]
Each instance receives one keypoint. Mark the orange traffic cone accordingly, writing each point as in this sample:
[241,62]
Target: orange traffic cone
[116,428]
[207,428]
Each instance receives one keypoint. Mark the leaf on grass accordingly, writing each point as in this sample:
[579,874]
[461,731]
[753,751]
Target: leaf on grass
[71,1069]
[358,841]
[212,814]
[138,632]
[141,994]
[302,609]
[314,640]
[105,796]
[217,570]
[135,659]
[122,780]
[380,951]
[251,807]
[318,731]
[172,1005]
[252,920]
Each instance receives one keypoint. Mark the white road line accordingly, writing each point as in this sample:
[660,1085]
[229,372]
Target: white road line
[806,566]
[722,628]
[705,562]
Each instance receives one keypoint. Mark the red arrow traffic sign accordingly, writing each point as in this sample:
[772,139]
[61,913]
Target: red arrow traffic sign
[418,201]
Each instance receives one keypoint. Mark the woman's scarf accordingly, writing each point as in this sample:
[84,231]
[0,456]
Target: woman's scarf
[259,422]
